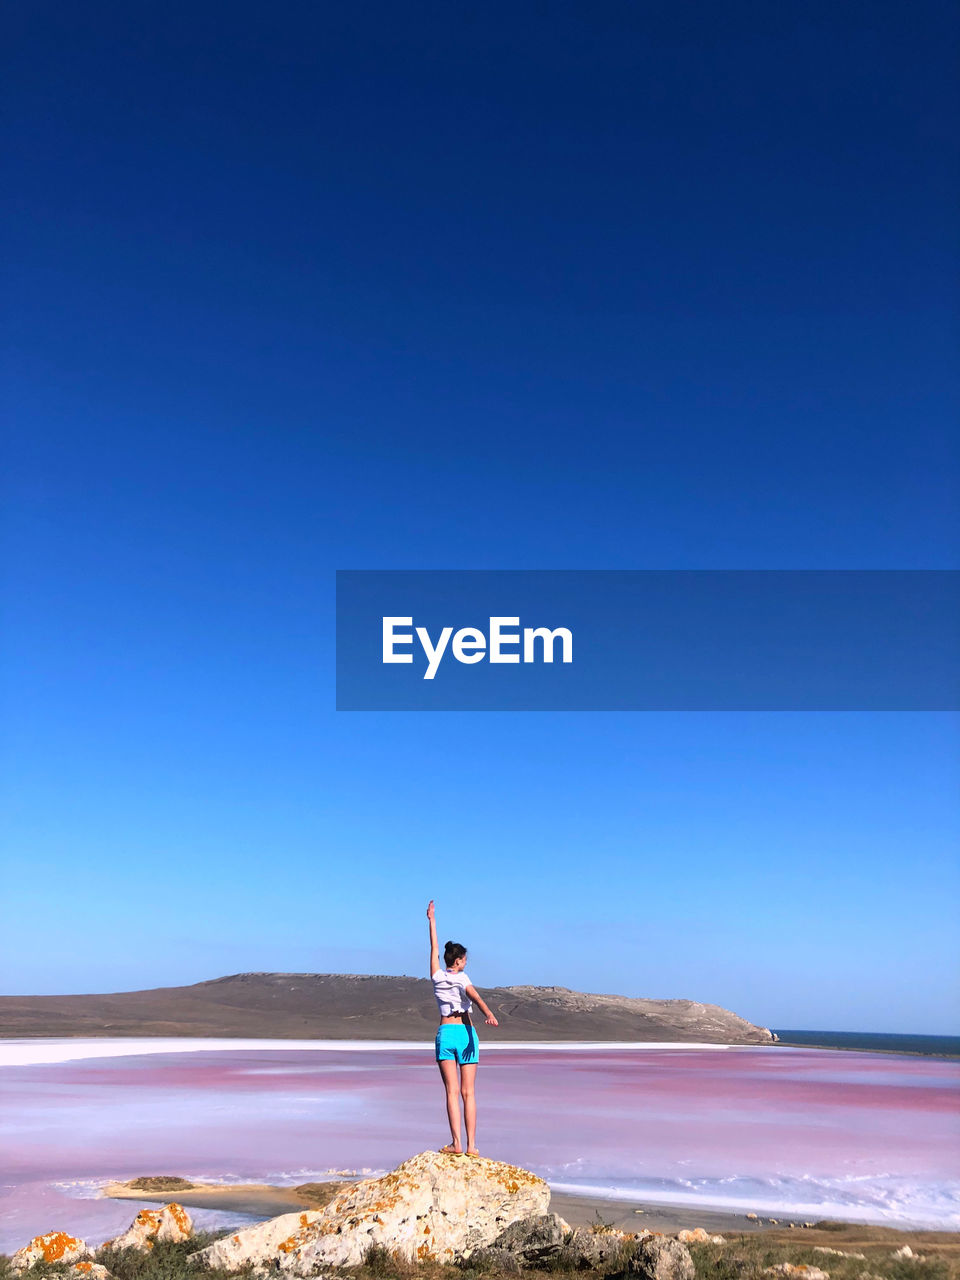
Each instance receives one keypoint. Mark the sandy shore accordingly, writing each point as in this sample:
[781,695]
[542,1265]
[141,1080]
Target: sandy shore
[257,1198]
[639,1215]
[269,1201]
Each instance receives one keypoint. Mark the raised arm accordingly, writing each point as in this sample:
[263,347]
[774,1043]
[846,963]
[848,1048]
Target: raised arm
[434,946]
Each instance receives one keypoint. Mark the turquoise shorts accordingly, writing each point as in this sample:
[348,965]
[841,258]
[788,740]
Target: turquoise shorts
[457,1043]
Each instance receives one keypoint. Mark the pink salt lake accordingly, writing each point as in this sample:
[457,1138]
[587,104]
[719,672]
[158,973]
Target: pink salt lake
[802,1132]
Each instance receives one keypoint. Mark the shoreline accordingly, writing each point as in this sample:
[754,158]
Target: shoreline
[25,1051]
[266,1200]
[35,1051]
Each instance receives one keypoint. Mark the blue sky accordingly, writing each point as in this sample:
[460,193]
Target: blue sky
[434,287]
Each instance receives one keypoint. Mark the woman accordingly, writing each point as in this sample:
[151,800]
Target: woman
[457,1045]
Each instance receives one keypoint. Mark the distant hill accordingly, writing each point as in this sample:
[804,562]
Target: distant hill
[364,1007]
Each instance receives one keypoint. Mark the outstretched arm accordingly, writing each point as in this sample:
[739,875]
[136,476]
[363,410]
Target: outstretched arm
[475,996]
[434,946]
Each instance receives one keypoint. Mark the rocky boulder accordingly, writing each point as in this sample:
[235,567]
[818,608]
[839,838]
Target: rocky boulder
[534,1240]
[172,1223]
[433,1206]
[661,1258]
[53,1246]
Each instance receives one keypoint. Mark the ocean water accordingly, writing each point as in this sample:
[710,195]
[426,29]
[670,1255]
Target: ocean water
[942,1046]
[796,1132]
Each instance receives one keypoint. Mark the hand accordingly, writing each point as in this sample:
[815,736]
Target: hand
[491,1021]
[431,910]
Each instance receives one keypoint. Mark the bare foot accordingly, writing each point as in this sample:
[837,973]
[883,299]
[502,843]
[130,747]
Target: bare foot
[451,1149]
[472,1151]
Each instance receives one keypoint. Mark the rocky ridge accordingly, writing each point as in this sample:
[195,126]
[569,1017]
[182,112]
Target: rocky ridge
[366,1007]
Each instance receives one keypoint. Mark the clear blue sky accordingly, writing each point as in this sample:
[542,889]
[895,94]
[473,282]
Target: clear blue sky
[305,287]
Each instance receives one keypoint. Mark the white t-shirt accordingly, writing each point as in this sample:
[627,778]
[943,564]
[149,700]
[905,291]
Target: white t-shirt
[451,992]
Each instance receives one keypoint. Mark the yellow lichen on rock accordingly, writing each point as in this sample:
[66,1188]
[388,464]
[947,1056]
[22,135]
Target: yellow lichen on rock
[60,1244]
[52,1246]
[55,1245]
[180,1217]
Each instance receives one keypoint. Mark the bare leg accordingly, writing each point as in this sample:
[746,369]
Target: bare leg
[468,1076]
[448,1070]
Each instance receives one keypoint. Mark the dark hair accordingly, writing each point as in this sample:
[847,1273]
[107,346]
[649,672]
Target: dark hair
[452,951]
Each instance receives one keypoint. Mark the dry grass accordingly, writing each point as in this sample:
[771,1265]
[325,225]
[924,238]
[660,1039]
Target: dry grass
[747,1257]
[742,1257]
[162,1182]
[317,1194]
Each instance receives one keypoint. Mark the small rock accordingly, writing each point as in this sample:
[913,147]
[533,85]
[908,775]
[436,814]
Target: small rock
[90,1271]
[839,1253]
[172,1223]
[797,1271]
[697,1235]
[261,1246]
[907,1253]
[660,1258]
[53,1246]
[753,1217]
